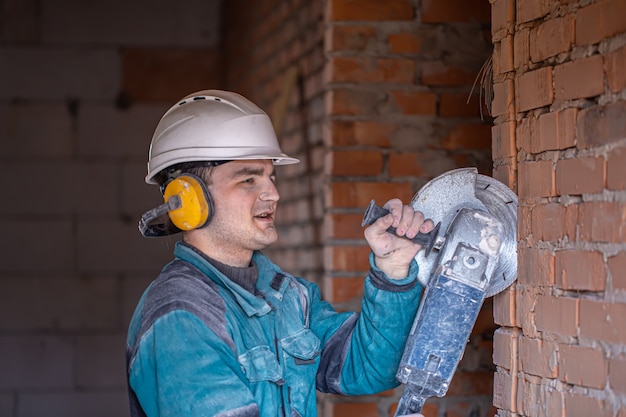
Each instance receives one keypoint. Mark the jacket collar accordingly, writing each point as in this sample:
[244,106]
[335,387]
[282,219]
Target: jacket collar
[270,283]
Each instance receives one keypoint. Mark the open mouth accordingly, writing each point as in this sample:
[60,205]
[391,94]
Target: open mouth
[265,216]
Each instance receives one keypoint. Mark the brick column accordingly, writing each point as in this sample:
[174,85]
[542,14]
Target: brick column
[559,139]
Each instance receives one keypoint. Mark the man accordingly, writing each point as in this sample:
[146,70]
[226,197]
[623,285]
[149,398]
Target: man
[223,331]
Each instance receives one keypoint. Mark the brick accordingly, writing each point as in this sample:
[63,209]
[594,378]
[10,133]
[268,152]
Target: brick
[404,43]
[36,362]
[536,179]
[581,78]
[370,70]
[135,255]
[343,289]
[557,315]
[359,163]
[526,132]
[503,61]
[599,21]
[444,11]
[98,362]
[617,269]
[353,102]
[348,258]
[580,176]
[50,136]
[583,366]
[525,301]
[601,125]
[99,70]
[370,10]
[533,89]
[51,243]
[507,173]
[503,98]
[438,73]
[502,17]
[524,224]
[58,303]
[521,48]
[136,196]
[468,136]
[586,406]
[503,140]
[555,131]
[538,357]
[580,270]
[552,222]
[73,190]
[359,194]
[459,105]
[551,38]
[602,222]
[603,321]
[340,38]
[166,74]
[191,24]
[471,383]
[125,134]
[505,391]
[414,102]
[406,164]
[614,62]
[504,308]
[365,409]
[616,169]
[351,133]
[528,10]
[505,348]
[344,226]
[75,404]
[617,374]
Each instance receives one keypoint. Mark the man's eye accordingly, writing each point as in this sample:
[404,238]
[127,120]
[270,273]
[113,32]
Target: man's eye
[249,180]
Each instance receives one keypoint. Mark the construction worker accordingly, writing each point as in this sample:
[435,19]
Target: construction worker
[223,331]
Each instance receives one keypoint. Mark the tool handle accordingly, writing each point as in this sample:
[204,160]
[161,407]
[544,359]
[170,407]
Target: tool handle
[374,212]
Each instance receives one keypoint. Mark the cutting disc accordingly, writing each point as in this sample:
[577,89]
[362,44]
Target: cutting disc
[442,197]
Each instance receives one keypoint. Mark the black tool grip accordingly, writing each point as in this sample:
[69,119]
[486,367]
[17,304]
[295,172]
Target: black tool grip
[374,212]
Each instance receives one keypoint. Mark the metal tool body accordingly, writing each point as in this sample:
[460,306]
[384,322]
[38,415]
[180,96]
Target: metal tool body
[474,259]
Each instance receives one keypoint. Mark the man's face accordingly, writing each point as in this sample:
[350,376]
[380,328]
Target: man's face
[245,199]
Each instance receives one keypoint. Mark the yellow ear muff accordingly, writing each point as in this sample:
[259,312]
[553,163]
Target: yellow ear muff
[192,210]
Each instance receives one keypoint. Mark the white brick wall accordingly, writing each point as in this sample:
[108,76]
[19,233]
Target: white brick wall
[36,362]
[49,304]
[105,132]
[140,22]
[35,130]
[74,404]
[73,263]
[59,73]
[36,246]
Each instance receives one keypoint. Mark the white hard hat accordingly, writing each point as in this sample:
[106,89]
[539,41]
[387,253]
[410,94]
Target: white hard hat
[213,125]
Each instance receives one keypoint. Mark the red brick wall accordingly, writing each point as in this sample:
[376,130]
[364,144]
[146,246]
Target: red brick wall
[379,107]
[560,141]
[273,54]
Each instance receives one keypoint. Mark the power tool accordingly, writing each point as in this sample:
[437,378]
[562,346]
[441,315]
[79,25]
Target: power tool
[475,258]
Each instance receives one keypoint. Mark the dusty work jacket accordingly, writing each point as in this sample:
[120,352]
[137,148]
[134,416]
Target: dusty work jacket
[201,345]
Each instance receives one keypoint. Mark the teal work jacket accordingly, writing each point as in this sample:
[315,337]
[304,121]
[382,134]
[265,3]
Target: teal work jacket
[200,345]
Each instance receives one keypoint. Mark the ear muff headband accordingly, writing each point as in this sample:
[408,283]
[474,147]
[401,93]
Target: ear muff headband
[194,208]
